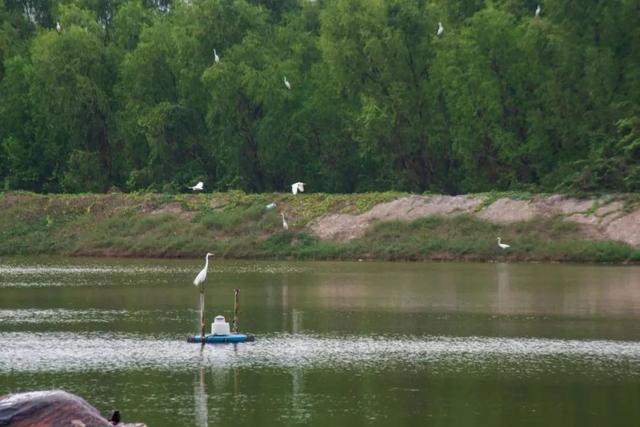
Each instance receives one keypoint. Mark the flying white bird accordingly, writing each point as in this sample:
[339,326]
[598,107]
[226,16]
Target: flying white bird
[538,10]
[58,27]
[201,277]
[286,83]
[216,57]
[503,245]
[297,186]
[284,222]
[198,187]
[440,29]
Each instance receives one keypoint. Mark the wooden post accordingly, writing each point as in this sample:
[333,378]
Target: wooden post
[236,308]
[202,313]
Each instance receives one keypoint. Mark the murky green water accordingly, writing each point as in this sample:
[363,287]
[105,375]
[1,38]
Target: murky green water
[338,344]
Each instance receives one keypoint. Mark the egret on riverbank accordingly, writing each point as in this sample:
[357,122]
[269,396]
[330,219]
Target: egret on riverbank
[285,225]
[538,10]
[503,245]
[297,186]
[198,187]
[215,56]
[58,27]
[286,83]
[440,29]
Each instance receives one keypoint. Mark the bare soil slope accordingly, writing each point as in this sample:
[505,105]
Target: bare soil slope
[605,218]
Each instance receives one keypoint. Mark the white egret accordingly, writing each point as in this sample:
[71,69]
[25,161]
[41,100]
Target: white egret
[538,10]
[216,57]
[284,222]
[271,205]
[440,29]
[286,83]
[58,27]
[199,281]
[297,186]
[503,245]
[202,276]
[198,187]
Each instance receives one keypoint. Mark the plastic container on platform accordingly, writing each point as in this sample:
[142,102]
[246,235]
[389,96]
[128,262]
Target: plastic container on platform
[219,326]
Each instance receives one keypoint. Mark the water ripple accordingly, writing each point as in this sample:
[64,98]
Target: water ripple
[59,351]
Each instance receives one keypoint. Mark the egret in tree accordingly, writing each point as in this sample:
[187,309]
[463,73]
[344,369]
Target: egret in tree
[503,245]
[297,186]
[284,222]
[286,83]
[199,281]
[58,27]
[538,10]
[216,57]
[440,29]
[198,187]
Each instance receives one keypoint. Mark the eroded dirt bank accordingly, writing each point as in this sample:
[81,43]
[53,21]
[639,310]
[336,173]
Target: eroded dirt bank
[604,218]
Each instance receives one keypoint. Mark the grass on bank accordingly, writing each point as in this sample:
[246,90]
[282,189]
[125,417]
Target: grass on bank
[236,225]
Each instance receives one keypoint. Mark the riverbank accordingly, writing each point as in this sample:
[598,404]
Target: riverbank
[386,226]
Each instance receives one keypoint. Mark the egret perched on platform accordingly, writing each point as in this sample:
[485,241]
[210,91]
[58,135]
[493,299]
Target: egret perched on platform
[198,187]
[286,83]
[199,281]
[285,225]
[297,186]
[440,29]
[503,245]
[216,58]
[538,10]
[202,276]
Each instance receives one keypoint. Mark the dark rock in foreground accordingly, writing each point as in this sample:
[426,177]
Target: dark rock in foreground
[51,408]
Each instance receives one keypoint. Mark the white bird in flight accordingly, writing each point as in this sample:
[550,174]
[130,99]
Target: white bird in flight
[297,186]
[286,83]
[503,245]
[440,29]
[284,222]
[538,10]
[58,27]
[201,277]
[216,57]
[198,187]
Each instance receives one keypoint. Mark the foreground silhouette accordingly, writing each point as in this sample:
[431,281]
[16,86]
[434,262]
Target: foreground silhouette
[53,408]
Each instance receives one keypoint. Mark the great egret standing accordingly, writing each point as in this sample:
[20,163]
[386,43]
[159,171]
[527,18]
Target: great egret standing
[286,83]
[284,222]
[440,29]
[216,57]
[58,27]
[503,245]
[297,186]
[198,187]
[202,276]
[199,281]
[538,10]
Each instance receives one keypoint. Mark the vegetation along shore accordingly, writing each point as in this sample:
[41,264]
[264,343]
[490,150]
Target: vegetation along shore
[384,226]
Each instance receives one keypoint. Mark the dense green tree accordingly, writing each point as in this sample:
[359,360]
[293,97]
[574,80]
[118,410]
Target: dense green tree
[129,94]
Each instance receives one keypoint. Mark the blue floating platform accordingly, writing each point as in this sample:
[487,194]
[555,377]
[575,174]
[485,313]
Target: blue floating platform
[221,339]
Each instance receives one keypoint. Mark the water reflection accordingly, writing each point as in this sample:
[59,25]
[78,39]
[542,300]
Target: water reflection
[201,399]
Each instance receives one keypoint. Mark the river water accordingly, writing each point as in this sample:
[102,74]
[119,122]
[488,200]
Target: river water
[337,344]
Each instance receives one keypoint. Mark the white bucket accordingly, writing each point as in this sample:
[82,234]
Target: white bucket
[220,327]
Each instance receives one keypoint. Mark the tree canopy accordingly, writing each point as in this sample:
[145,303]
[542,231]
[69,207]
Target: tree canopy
[128,93]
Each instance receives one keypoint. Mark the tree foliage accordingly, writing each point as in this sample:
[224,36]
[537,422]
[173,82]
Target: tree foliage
[129,94]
